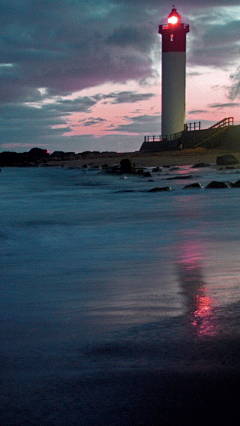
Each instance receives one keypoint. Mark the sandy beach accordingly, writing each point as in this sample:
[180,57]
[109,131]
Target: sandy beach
[149,159]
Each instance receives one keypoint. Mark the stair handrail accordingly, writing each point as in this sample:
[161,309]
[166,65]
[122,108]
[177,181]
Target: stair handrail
[208,134]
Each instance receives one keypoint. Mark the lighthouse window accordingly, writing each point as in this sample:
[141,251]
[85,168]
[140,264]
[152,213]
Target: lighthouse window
[171,37]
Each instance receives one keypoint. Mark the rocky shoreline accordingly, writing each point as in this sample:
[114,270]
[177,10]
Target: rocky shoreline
[38,157]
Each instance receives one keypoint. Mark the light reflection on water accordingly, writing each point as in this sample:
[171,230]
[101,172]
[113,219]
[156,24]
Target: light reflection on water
[201,308]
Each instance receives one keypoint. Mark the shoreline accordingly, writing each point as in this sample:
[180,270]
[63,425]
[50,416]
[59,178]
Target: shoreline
[148,159]
[186,157]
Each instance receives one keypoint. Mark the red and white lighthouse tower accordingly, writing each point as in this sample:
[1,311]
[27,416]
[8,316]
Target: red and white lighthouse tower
[173,73]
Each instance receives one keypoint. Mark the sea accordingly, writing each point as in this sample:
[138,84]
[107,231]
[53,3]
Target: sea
[119,306]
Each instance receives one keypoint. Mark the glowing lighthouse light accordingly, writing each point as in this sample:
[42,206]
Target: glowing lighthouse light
[173,20]
[173,73]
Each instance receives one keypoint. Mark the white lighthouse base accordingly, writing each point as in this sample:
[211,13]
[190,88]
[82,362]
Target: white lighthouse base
[173,92]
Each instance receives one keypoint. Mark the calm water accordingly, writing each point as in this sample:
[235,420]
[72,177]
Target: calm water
[118,307]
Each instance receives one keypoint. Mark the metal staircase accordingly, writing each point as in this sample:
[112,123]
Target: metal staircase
[210,136]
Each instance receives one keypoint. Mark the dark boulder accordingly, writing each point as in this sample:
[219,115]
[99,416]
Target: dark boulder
[194,185]
[236,184]
[38,153]
[158,189]
[214,184]
[227,160]
[156,169]
[127,166]
[180,177]
[147,174]
[199,165]
[10,159]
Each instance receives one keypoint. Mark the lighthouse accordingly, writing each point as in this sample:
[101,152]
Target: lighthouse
[173,73]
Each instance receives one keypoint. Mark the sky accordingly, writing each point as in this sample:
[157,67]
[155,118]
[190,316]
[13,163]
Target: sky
[79,75]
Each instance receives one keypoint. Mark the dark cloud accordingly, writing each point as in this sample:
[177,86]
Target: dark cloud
[70,45]
[214,40]
[93,121]
[142,124]
[124,97]
[38,125]
[67,106]
[224,105]
[194,74]
[197,111]
[234,90]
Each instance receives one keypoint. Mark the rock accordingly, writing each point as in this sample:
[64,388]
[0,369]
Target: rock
[180,177]
[215,184]
[174,168]
[158,189]
[236,184]
[105,166]
[227,160]
[147,174]
[23,159]
[156,169]
[139,172]
[38,153]
[62,156]
[194,185]
[127,166]
[199,164]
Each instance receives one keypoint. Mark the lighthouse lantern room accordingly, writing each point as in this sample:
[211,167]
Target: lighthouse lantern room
[173,73]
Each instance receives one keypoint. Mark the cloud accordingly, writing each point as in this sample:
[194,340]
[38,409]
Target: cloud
[224,105]
[93,121]
[67,46]
[67,106]
[125,97]
[142,124]
[38,125]
[234,90]
[197,111]
[50,50]
[70,45]
[214,39]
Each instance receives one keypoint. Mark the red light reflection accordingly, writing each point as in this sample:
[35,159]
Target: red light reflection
[201,307]
[203,316]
